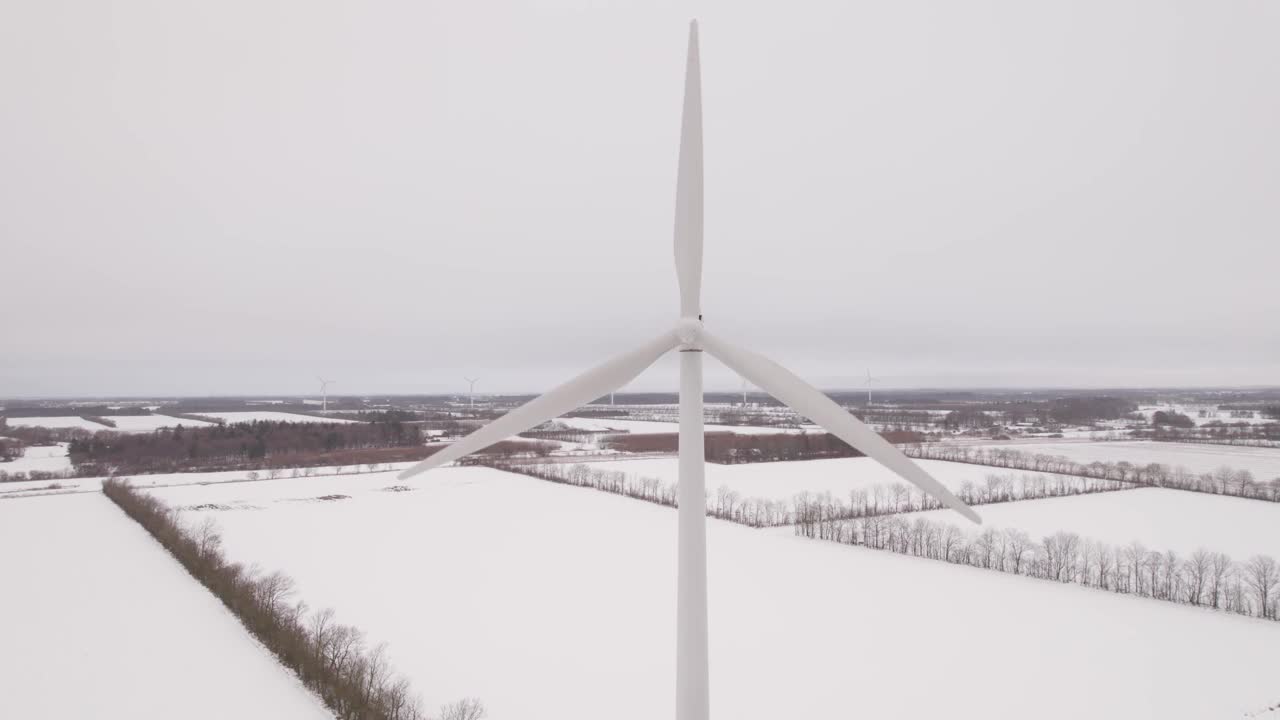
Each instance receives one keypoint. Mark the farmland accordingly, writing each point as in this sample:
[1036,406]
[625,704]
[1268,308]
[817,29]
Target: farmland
[1158,518]
[74,422]
[100,621]
[782,481]
[1264,463]
[272,416]
[648,427]
[40,458]
[552,602]
[150,423]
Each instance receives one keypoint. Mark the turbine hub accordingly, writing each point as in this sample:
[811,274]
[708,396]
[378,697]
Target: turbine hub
[689,330]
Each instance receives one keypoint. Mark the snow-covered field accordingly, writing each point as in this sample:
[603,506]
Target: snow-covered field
[273,416]
[1158,518]
[97,621]
[784,480]
[151,423]
[1264,463]
[552,602]
[1205,414]
[58,421]
[652,427]
[51,458]
[74,485]
[124,423]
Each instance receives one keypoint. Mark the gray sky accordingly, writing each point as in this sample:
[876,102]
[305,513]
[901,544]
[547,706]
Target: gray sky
[234,197]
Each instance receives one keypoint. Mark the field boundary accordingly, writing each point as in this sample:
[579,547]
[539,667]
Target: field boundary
[332,660]
[1223,481]
[1204,579]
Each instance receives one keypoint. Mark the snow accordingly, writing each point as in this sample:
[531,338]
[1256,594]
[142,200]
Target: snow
[10,489]
[1211,414]
[1264,463]
[273,416]
[784,480]
[124,423]
[51,458]
[151,423]
[553,602]
[58,421]
[653,427]
[1159,518]
[100,622]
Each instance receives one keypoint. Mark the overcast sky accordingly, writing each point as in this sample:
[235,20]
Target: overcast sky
[237,196]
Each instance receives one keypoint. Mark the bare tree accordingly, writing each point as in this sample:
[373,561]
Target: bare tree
[1197,570]
[1262,574]
[465,709]
[1219,568]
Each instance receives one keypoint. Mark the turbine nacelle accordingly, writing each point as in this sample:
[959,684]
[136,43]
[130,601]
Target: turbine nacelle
[689,332]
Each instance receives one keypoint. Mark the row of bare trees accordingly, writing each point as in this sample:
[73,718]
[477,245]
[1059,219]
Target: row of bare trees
[332,659]
[1222,481]
[1204,578]
[806,507]
[896,498]
[648,489]
[1268,438]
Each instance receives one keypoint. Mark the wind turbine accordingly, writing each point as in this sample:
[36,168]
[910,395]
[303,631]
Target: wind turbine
[870,381]
[692,339]
[324,390]
[471,394]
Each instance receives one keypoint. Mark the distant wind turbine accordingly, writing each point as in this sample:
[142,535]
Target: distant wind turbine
[471,394]
[869,383]
[691,339]
[324,391]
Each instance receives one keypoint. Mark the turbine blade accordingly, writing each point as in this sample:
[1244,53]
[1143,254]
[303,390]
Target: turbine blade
[810,402]
[588,386]
[688,232]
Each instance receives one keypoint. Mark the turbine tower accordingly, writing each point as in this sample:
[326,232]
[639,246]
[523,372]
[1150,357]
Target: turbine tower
[471,394]
[691,339]
[869,382]
[324,392]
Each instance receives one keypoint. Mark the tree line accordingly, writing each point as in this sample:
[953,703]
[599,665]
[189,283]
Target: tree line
[231,446]
[1204,578]
[1266,435]
[806,507]
[10,449]
[730,448]
[1222,481]
[42,435]
[354,680]
[566,434]
[898,498]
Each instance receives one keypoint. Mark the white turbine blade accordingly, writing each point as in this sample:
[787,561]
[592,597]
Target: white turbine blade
[810,402]
[588,386]
[688,233]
